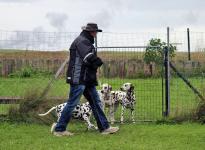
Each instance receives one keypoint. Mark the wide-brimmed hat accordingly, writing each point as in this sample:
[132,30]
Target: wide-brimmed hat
[91,27]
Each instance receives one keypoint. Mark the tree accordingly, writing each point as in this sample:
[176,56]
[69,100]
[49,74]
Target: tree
[155,54]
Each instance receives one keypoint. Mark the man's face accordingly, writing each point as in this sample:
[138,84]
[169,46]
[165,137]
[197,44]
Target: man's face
[94,34]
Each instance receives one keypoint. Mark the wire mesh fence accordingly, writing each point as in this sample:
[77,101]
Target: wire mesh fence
[121,65]
[187,77]
[31,69]
[184,100]
[126,65]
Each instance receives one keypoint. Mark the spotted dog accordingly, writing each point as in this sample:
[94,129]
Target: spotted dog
[127,99]
[105,94]
[81,111]
[112,99]
[107,100]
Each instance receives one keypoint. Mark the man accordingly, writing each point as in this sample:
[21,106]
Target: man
[81,75]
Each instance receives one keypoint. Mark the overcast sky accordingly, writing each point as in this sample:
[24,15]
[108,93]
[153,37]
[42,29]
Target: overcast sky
[111,15]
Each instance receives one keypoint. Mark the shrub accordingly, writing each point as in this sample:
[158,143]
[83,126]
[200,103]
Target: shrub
[200,111]
[29,108]
[28,71]
[155,55]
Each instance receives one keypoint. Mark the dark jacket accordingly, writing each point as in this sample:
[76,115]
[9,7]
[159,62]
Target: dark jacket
[83,61]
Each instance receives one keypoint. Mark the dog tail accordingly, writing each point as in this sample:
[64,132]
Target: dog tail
[50,110]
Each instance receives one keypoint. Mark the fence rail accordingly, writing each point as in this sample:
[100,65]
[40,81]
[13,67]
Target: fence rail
[18,100]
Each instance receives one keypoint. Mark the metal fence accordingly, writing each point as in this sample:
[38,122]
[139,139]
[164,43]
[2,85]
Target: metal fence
[126,65]
[58,41]
[186,78]
[158,91]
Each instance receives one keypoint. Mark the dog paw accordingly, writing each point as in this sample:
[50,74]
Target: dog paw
[112,122]
[92,128]
[89,128]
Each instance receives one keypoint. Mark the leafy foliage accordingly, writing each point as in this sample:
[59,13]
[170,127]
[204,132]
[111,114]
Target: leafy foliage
[28,71]
[155,54]
[29,108]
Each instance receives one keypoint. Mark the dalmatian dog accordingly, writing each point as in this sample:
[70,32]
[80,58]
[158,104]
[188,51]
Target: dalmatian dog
[105,94]
[111,99]
[81,111]
[108,101]
[127,99]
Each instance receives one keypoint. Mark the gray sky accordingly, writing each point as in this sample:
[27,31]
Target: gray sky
[111,15]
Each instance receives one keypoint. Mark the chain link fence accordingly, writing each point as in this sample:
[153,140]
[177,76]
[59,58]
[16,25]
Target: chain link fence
[29,59]
[187,75]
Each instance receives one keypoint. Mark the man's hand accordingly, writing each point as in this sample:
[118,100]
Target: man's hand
[99,62]
[92,61]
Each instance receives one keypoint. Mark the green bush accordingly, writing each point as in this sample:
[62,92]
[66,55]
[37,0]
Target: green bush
[28,71]
[200,111]
[30,107]
[155,54]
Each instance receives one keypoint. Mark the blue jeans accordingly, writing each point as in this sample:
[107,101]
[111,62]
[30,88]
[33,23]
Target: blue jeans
[92,96]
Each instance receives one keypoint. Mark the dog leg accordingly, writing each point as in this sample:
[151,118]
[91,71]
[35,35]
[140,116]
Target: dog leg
[114,109]
[133,116]
[111,112]
[122,115]
[90,125]
[58,115]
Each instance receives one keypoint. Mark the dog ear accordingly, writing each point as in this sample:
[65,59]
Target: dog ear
[132,87]
[110,87]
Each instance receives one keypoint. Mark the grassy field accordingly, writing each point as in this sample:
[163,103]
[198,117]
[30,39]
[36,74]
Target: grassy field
[142,136]
[148,93]
[130,137]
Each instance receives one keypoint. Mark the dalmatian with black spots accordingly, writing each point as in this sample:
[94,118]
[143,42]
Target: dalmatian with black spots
[81,111]
[112,99]
[107,101]
[127,99]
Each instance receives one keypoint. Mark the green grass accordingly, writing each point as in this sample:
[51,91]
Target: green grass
[130,137]
[148,93]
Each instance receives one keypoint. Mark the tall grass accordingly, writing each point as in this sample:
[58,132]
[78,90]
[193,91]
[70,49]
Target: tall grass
[107,55]
[29,108]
